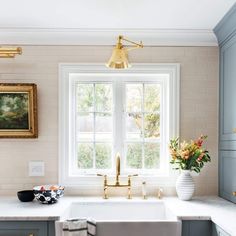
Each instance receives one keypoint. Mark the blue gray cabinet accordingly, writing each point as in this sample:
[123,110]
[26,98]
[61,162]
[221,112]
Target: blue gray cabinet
[202,228]
[227,163]
[228,91]
[226,35]
[27,228]
[196,228]
[217,231]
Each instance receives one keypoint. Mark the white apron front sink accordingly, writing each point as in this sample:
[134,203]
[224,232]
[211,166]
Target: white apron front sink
[128,218]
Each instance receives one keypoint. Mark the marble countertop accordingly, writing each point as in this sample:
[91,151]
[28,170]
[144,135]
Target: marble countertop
[221,212]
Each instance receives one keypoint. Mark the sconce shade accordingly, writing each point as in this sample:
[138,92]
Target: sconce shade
[119,59]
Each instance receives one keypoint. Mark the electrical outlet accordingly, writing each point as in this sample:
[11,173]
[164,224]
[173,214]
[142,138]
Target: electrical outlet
[36,168]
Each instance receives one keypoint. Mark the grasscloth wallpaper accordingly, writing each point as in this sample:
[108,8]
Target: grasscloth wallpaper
[39,64]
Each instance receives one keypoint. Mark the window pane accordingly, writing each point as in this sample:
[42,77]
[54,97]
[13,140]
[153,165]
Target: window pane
[85,126]
[151,155]
[103,155]
[152,97]
[134,155]
[85,155]
[152,125]
[103,126]
[134,93]
[85,97]
[134,126]
[103,97]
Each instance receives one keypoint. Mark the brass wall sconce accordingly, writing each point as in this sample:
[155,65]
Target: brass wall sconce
[119,57]
[10,52]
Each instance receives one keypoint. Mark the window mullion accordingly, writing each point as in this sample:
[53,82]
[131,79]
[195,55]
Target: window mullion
[94,128]
[74,141]
[143,114]
[118,118]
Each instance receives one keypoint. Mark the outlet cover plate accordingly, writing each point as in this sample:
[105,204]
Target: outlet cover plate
[36,168]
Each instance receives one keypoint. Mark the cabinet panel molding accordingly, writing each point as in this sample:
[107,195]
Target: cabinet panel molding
[25,228]
[227,175]
[227,91]
[196,228]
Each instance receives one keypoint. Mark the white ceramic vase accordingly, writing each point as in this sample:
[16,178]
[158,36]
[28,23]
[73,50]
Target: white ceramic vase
[185,185]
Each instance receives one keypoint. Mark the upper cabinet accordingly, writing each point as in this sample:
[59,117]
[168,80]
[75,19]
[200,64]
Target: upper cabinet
[226,35]
[227,26]
[228,90]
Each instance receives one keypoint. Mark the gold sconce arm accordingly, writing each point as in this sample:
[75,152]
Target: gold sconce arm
[10,52]
[137,45]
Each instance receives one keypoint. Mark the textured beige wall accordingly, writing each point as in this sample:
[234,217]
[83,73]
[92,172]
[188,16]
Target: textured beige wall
[39,64]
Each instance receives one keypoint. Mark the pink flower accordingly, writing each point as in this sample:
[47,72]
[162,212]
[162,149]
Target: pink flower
[199,141]
[201,156]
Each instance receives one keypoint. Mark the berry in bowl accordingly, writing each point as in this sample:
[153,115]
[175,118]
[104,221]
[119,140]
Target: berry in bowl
[48,194]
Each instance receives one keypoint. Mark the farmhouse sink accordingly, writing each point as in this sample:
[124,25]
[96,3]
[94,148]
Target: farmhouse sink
[128,218]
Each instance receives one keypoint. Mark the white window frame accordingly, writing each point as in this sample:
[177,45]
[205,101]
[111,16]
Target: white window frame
[88,71]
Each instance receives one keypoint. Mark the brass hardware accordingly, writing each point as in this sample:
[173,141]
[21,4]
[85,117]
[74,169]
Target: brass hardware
[234,130]
[117,183]
[119,57]
[10,52]
[31,234]
[234,193]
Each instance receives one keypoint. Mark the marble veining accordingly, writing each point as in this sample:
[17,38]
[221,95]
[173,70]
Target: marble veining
[221,212]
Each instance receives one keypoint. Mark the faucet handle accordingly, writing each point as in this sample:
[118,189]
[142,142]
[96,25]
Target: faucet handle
[129,178]
[129,185]
[105,196]
[132,175]
[101,175]
[105,177]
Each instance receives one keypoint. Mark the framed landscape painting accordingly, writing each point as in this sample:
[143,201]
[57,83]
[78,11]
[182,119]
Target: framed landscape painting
[18,111]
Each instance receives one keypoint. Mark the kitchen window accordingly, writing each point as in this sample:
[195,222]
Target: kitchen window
[103,112]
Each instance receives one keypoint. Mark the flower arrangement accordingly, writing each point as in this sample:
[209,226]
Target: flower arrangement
[189,155]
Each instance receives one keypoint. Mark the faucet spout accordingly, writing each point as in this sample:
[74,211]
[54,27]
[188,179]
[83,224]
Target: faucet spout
[117,168]
[117,184]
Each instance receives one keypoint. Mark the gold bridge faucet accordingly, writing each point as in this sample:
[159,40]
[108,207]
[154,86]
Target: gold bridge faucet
[117,183]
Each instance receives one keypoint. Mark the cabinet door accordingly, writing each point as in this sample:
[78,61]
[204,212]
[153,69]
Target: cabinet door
[228,175]
[23,228]
[196,228]
[228,91]
[217,231]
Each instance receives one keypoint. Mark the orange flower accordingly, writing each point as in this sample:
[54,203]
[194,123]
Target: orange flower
[185,154]
[173,154]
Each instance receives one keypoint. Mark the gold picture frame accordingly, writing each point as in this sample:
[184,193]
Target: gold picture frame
[18,110]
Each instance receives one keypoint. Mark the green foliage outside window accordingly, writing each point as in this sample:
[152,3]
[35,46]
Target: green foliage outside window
[99,98]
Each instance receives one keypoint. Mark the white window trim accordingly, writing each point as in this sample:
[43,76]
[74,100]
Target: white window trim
[88,182]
